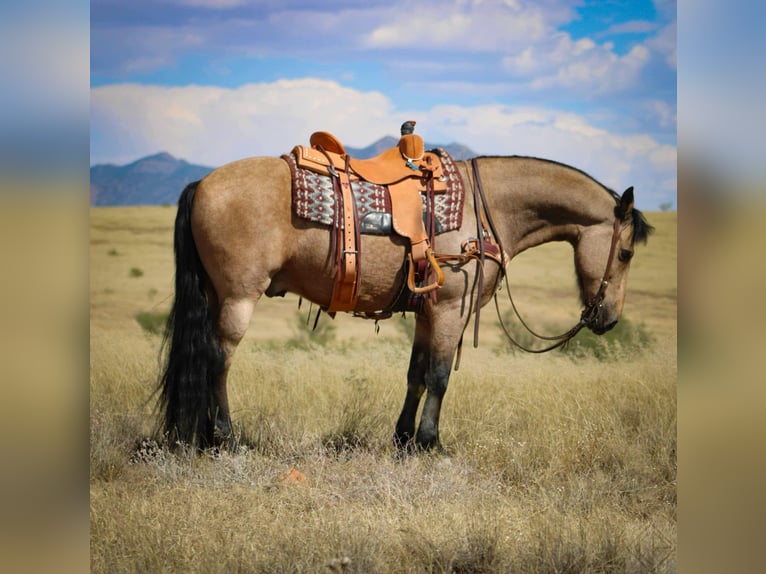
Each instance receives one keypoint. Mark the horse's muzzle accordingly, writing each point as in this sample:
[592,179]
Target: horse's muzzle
[598,319]
[600,328]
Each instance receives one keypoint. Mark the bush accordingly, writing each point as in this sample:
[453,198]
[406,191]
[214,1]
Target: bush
[308,333]
[152,322]
[626,336]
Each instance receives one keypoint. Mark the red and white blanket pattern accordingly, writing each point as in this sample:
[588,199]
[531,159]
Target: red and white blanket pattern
[313,196]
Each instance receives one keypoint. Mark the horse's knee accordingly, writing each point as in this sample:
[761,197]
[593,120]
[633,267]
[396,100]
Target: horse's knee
[233,321]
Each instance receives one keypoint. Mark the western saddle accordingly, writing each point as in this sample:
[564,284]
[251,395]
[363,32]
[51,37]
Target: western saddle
[407,170]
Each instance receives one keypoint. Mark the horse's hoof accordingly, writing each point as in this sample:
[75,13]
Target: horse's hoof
[227,442]
[433,447]
[438,451]
[404,446]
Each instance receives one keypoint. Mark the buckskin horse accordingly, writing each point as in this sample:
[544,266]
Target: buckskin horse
[238,238]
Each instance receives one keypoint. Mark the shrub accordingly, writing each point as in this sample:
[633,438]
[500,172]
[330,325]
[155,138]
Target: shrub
[152,322]
[307,332]
[626,336]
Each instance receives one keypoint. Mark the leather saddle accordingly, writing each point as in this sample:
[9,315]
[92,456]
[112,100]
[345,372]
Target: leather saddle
[408,171]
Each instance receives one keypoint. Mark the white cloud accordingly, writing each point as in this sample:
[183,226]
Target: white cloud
[580,65]
[665,114]
[488,25]
[665,43]
[214,125]
[629,27]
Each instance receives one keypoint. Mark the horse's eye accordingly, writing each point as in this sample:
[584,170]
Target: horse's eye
[624,255]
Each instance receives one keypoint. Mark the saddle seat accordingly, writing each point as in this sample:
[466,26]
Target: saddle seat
[406,161]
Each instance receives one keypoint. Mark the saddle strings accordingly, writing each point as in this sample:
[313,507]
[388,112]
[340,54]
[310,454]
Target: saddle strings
[483,219]
[337,215]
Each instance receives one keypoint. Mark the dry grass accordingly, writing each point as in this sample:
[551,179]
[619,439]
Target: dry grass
[559,463]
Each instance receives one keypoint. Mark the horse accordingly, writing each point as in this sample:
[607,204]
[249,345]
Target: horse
[237,238]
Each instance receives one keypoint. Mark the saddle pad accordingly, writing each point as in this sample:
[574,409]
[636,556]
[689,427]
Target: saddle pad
[313,198]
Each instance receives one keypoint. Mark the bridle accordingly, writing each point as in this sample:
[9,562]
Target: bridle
[588,315]
[591,310]
[593,306]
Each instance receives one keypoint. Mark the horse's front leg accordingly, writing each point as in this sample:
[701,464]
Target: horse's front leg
[430,365]
[405,426]
[443,327]
[436,379]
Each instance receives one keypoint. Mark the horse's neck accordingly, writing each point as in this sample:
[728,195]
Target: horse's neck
[538,202]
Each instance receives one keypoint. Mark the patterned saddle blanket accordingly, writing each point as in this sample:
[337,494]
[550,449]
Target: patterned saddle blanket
[313,198]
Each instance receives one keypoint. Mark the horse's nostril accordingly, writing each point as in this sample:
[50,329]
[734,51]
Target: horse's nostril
[601,328]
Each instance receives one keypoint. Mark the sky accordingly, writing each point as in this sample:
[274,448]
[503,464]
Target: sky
[588,83]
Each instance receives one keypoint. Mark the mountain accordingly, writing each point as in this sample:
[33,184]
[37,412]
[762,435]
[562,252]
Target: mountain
[154,180]
[456,150]
[159,179]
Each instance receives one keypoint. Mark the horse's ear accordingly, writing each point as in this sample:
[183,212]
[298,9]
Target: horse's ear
[626,204]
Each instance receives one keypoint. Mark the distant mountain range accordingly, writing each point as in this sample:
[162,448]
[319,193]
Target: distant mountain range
[159,179]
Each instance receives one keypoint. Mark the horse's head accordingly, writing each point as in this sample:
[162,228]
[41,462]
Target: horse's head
[602,260]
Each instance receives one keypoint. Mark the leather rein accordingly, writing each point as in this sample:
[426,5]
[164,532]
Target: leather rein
[589,313]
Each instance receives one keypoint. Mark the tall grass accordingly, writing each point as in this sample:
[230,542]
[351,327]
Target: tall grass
[563,462]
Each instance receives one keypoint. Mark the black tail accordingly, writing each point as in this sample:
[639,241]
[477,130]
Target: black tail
[193,360]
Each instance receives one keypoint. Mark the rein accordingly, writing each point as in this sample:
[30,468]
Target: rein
[587,316]
[589,313]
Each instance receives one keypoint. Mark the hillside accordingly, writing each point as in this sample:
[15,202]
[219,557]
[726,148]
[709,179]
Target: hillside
[154,180]
[158,179]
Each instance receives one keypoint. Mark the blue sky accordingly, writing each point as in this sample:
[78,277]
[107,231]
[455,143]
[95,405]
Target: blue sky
[588,83]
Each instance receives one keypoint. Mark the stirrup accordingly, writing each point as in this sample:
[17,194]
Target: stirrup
[434,265]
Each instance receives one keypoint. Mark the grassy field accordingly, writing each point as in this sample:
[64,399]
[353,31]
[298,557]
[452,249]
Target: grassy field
[563,462]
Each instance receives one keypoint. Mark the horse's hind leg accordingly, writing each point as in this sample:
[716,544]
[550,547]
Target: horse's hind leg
[233,320]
